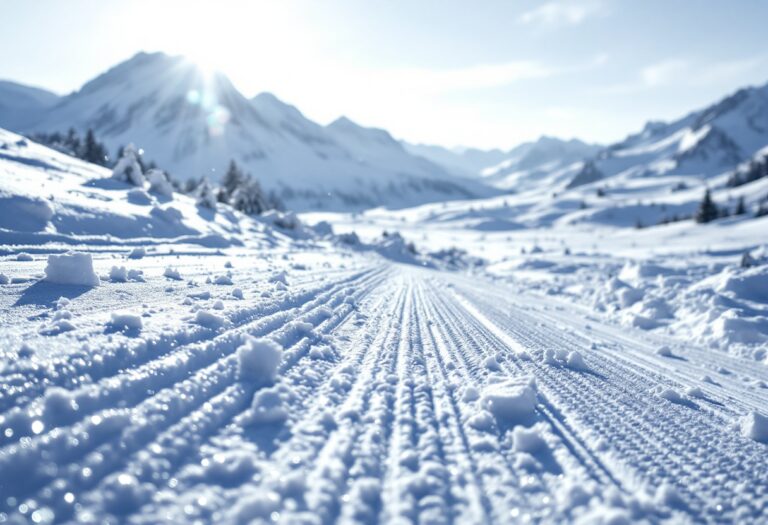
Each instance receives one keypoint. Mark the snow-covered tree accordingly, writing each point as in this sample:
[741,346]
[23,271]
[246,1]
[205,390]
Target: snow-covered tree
[233,179]
[159,183]
[707,210]
[127,168]
[249,198]
[206,196]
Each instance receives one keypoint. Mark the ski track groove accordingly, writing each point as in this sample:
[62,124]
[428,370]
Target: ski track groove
[378,428]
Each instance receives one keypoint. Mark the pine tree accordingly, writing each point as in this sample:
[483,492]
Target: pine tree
[741,208]
[233,179]
[93,151]
[707,211]
[249,198]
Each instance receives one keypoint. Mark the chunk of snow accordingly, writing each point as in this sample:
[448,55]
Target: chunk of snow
[125,320]
[527,439]
[694,391]
[218,305]
[25,257]
[671,395]
[755,426]
[137,253]
[208,319]
[71,268]
[491,363]
[223,279]
[279,277]
[4,279]
[470,394]
[664,351]
[510,400]
[258,360]
[575,361]
[267,408]
[172,273]
[238,293]
[118,274]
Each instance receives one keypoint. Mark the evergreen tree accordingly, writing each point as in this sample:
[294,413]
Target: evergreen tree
[233,179]
[707,211]
[249,198]
[93,151]
[206,196]
[741,208]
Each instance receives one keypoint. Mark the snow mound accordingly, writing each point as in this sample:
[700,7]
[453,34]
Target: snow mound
[71,268]
[258,360]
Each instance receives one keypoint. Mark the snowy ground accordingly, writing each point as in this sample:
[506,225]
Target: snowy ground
[241,370]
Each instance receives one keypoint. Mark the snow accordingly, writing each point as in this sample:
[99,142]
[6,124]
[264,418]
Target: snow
[127,168]
[209,319]
[258,360]
[755,426]
[71,268]
[172,273]
[511,400]
[126,320]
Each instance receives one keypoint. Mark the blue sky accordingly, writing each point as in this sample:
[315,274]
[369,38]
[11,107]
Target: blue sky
[484,73]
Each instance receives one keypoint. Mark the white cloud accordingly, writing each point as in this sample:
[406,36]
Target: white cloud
[561,13]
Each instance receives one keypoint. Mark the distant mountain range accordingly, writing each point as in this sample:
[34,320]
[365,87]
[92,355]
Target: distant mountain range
[192,124]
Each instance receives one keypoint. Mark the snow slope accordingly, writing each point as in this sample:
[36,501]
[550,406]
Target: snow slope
[22,105]
[192,124]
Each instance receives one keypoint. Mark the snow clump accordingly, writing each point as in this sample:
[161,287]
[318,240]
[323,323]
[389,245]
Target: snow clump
[71,268]
[510,400]
[257,360]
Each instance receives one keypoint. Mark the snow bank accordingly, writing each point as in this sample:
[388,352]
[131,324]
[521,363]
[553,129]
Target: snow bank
[511,400]
[258,360]
[71,268]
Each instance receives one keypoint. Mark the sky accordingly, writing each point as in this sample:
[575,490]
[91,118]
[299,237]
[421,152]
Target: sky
[484,73]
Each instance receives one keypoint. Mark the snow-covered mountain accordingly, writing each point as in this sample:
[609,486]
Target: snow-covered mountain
[22,105]
[529,163]
[465,161]
[192,124]
[704,143]
[517,169]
